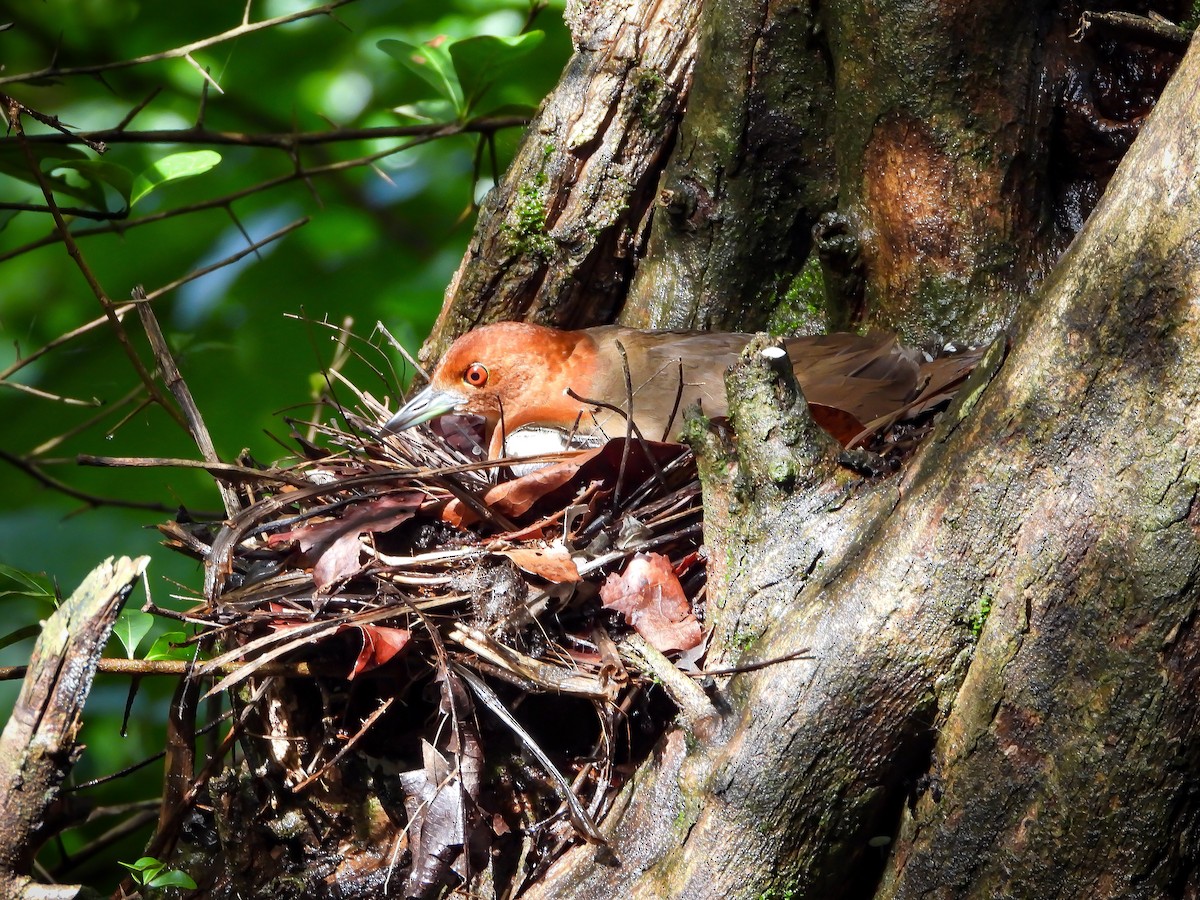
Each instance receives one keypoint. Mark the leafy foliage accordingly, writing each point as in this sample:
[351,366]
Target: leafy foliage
[207,152]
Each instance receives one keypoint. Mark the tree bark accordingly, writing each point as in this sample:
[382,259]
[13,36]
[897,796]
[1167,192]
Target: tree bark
[558,239]
[998,694]
[1002,698]
[38,749]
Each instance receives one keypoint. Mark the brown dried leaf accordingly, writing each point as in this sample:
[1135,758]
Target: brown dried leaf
[379,644]
[337,560]
[652,600]
[551,563]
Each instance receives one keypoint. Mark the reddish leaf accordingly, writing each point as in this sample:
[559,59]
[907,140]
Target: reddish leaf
[651,598]
[552,563]
[337,560]
[555,484]
[843,426]
[379,644]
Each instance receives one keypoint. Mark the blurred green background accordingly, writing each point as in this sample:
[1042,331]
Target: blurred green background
[381,244]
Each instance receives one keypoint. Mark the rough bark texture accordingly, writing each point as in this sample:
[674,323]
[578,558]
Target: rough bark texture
[38,749]
[556,241]
[1020,603]
[751,173]
[999,698]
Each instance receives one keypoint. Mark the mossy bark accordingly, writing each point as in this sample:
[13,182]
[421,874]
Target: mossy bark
[1001,697]
[1000,694]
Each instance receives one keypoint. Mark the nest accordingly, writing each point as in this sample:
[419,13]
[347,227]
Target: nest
[490,641]
[456,662]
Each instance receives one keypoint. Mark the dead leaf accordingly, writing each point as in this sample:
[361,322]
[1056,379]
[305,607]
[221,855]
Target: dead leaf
[379,644]
[337,561]
[554,485]
[551,563]
[652,600]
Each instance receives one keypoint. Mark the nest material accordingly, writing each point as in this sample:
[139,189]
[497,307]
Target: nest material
[441,605]
[484,652]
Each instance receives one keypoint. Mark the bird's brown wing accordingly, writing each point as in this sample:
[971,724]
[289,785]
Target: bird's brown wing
[868,376]
[669,371]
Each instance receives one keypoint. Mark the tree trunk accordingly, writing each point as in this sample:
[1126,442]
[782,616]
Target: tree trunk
[998,696]
[1002,698]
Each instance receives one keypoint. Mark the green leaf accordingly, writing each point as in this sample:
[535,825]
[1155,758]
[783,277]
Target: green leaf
[164,647]
[173,168]
[479,61]
[13,163]
[50,158]
[428,111]
[432,64]
[172,878]
[117,177]
[33,586]
[131,626]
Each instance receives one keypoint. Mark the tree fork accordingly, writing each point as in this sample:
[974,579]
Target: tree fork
[1004,672]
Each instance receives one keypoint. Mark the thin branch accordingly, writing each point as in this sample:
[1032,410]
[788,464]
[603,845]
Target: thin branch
[227,471]
[14,109]
[46,395]
[21,363]
[63,488]
[278,140]
[228,260]
[227,199]
[1154,31]
[50,443]
[175,383]
[10,104]
[177,52]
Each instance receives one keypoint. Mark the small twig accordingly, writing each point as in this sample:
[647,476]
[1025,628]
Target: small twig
[228,260]
[15,110]
[50,443]
[754,666]
[579,816]
[228,471]
[133,113]
[223,202]
[348,746]
[289,141]
[1152,31]
[10,104]
[46,395]
[176,668]
[695,707]
[93,500]
[120,312]
[183,396]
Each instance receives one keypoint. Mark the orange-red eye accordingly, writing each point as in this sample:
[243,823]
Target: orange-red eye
[476,375]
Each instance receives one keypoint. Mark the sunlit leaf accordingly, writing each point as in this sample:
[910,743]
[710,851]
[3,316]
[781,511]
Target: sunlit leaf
[649,595]
[172,878]
[167,646]
[175,167]
[131,626]
[480,60]
[432,64]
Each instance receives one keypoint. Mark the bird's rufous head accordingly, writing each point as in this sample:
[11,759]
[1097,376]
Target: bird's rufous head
[510,371]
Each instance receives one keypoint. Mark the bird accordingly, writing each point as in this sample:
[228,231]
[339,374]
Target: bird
[555,388]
